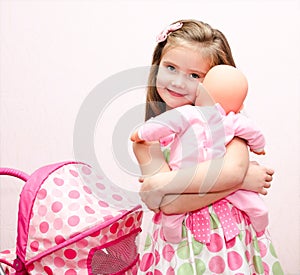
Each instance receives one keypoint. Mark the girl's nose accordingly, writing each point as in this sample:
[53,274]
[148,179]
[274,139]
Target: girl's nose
[179,81]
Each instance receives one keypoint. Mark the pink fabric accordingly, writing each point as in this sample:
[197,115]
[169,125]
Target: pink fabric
[227,220]
[115,257]
[253,206]
[248,253]
[199,222]
[27,199]
[172,228]
[65,210]
[201,133]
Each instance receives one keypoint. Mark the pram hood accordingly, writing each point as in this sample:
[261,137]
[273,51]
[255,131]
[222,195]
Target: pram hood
[63,203]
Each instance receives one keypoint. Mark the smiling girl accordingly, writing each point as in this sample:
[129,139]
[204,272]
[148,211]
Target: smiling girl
[185,52]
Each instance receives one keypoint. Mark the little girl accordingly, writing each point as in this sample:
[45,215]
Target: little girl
[185,52]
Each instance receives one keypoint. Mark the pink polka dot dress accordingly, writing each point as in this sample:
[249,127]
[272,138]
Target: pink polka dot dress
[222,241]
[247,253]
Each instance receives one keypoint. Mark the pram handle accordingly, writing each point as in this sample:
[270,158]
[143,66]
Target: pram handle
[15,173]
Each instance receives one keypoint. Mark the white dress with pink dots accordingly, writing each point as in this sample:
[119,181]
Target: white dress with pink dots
[235,249]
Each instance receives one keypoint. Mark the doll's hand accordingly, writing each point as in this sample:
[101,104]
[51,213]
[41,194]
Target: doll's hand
[258,178]
[135,137]
[259,151]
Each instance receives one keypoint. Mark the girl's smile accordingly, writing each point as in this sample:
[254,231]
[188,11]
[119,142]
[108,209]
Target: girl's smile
[175,94]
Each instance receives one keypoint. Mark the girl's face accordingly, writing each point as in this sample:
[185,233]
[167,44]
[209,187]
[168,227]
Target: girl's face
[181,69]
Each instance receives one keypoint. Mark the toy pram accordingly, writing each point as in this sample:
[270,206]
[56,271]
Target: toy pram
[71,222]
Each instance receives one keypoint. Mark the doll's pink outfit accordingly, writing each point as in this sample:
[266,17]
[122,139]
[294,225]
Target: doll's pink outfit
[199,134]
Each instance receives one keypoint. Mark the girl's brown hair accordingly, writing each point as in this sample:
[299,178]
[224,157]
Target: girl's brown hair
[212,43]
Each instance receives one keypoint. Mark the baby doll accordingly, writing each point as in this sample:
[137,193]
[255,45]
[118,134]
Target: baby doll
[201,132]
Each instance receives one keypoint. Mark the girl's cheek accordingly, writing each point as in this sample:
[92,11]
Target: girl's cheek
[193,89]
[161,79]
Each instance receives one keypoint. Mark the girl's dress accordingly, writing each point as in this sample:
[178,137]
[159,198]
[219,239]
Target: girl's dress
[220,239]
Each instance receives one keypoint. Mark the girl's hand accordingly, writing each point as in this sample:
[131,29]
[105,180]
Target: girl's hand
[135,137]
[152,191]
[258,178]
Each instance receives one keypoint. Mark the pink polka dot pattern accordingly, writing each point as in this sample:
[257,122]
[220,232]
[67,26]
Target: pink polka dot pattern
[216,264]
[58,224]
[71,201]
[56,206]
[58,181]
[73,258]
[247,253]
[74,194]
[235,260]
[42,194]
[199,222]
[216,243]
[168,252]
[73,220]
[146,261]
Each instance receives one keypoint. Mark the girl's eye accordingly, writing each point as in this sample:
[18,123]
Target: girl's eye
[171,68]
[195,76]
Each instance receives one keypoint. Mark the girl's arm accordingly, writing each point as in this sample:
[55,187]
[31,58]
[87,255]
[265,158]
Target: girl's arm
[210,176]
[257,179]
[155,187]
[180,204]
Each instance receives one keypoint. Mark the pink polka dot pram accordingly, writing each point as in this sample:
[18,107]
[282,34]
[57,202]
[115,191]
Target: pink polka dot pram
[72,222]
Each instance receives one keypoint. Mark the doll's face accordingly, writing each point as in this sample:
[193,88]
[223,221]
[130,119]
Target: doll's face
[180,71]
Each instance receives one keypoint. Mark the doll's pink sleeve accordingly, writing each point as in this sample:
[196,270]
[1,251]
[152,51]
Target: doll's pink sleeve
[171,122]
[246,129]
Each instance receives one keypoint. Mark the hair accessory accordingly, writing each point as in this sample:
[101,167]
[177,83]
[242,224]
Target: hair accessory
[164,34]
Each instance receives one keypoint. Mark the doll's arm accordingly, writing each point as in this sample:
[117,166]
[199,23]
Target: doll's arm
[246,129]
[163,125]
[151,131]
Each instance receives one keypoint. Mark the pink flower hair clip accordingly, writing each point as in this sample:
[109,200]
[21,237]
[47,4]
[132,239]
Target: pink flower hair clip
[171,28]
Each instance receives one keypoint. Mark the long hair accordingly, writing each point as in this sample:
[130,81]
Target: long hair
[211,42]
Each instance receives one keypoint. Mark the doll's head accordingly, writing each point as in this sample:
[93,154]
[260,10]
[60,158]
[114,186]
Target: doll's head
[227,86]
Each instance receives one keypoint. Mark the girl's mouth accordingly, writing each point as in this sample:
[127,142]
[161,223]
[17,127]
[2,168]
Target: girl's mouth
[175,94]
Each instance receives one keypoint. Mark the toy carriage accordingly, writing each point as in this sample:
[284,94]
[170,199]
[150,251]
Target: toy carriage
[72,222]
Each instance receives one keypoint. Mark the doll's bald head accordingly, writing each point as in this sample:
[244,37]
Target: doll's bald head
[227,86]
